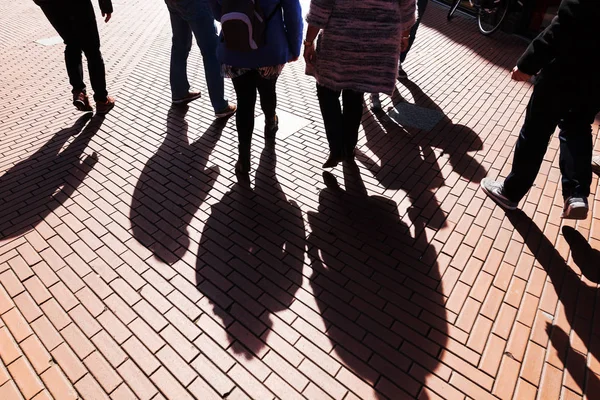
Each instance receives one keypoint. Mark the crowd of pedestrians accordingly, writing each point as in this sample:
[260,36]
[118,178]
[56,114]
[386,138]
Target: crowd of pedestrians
[352,48]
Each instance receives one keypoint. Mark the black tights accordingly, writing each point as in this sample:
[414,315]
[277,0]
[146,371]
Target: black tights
[246,86]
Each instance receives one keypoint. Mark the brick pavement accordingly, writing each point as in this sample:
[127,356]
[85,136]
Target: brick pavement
[133,265]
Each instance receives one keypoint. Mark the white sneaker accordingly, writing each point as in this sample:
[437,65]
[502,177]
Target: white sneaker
[575,208]
[495,189]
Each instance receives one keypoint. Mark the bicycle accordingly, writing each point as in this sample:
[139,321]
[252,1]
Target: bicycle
[490,13]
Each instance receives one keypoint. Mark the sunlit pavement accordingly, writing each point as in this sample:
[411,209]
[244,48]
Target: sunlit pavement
[133,264]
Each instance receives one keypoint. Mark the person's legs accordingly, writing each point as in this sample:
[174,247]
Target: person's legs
[201,20]
[84,21]
[421,7]
[543,113]
[268,103]
[353,110]
[180,50]
[576,147]
[331,109]
[245,89]
[60,16]
[268,96]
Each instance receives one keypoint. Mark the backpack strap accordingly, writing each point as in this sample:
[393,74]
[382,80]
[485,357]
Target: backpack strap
[277,8]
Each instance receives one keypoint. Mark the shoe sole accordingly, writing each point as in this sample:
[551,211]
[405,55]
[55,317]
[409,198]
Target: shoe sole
[576,211]
[498,201]
[227,114]
[186,100]
[80,105]
[105,111]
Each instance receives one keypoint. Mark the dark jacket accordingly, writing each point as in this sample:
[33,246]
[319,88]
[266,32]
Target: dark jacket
[568,48]
[283,36]
[105,5]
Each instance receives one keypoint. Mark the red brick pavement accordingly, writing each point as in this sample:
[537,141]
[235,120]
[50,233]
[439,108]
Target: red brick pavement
[133,265]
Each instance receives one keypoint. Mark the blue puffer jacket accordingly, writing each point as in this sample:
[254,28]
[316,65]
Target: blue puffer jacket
[283,38]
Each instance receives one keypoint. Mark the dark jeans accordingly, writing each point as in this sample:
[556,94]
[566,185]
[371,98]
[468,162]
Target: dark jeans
[574,113]
[341,126]
[195,16]
[246,86]
[75,22]
[421,7]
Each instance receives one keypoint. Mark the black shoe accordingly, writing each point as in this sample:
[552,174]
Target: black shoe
[242,166]
[271,128]
[401,73]
[333,161]
[191,96]
[82,102]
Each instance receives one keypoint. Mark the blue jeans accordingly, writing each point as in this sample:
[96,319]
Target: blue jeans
[187,17]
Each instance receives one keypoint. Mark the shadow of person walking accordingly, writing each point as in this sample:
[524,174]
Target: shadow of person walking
[173,185]
[577,308]
[251,257]
[386,322]
[417,163]
[36,186]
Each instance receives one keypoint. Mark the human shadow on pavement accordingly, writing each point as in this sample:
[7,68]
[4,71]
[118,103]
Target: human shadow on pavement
[406,159]
[35,187]
[384,317]
[251,257]
[577,299]
[173,185]
[586,257]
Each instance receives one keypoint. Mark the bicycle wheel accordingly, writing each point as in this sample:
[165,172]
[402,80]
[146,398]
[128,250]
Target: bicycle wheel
[453,9]
[490,17]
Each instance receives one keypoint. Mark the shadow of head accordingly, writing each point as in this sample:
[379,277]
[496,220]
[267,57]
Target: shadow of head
[36,186]
[586,258]
[372,292]
[454,140]
[415,133]
[252,248]
[576,362]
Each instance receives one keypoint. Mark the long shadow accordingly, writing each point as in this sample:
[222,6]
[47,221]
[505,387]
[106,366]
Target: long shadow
[500,48]
[407,159]
[575,294]
[251,257]
[380,303]
[172,186]
[36,186]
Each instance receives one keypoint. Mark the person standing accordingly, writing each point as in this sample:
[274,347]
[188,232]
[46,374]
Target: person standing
[358,51]
[566,94]
[75,22]
[195,16]
[257,67]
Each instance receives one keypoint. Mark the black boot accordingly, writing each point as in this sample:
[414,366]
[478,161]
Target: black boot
[242,165]
[271,128]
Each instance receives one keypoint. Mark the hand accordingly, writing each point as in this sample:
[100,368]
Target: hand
[106,17]
[404,44]
[310,55]
[520,76]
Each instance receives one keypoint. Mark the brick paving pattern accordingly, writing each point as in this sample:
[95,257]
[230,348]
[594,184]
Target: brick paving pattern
[134,265]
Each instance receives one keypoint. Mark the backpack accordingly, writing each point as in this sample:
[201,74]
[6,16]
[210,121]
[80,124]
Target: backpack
[243,24]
